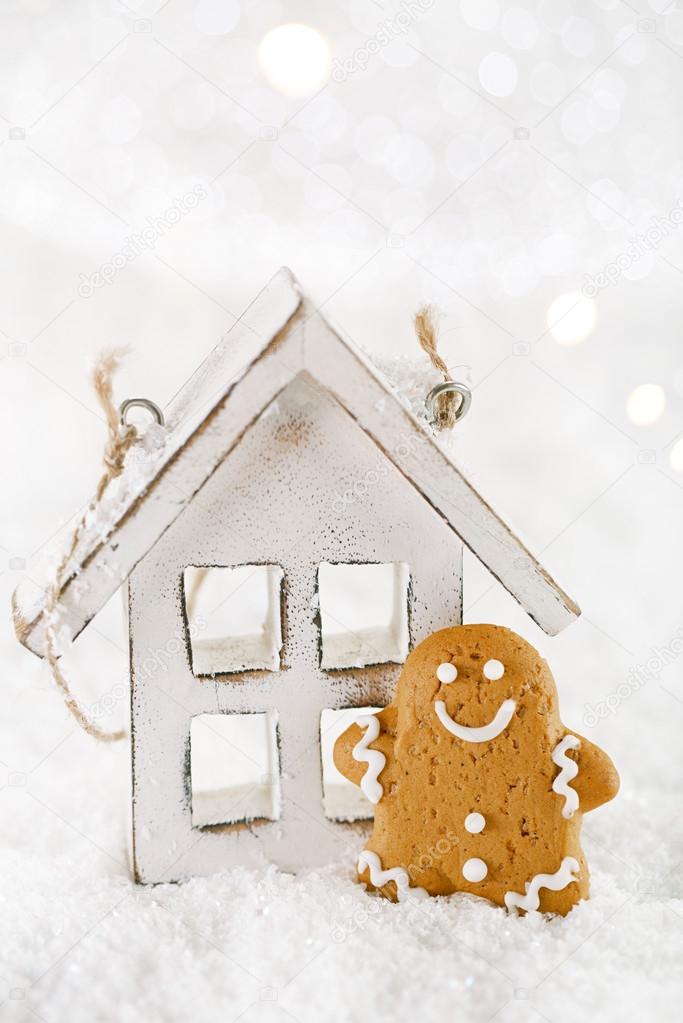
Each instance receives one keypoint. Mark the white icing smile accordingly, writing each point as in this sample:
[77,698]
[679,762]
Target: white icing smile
[485,733]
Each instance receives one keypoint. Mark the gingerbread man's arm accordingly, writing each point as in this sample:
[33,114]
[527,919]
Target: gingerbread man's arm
[355,770]
[597,781]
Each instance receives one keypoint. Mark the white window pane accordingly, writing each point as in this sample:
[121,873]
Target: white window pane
[234,768]
[234,618]
[363,614]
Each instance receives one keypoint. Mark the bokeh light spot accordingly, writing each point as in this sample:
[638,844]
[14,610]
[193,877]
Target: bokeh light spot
[645,404]
[571,318]
[295,59]
[498,74]
[676,456]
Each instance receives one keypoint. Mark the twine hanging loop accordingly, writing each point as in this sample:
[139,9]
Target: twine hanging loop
[450,401]
[146,403]
[441,390]
[121,436]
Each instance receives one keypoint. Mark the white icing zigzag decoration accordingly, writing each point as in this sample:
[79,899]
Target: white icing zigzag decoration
[569,771]
[380,877]
[370,786]
[553,882]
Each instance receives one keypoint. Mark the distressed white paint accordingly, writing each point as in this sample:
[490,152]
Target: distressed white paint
[247,511]
[280,337]
[263,446]
[358,386]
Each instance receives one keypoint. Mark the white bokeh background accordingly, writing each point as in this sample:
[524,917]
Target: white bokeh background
[521,166]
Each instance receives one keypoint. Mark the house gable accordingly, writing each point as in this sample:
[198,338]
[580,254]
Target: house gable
[209,417]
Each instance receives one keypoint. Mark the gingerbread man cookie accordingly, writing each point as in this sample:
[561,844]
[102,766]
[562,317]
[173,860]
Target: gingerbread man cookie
[478,786]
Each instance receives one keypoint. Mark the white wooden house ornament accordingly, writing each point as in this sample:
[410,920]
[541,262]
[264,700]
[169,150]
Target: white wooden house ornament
[260,448]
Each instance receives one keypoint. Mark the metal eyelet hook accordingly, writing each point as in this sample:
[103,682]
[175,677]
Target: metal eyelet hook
[145,403]
[448,387]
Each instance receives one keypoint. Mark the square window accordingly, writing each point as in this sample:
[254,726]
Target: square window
[342,800]
[234,768]
[363,614]
[234,618]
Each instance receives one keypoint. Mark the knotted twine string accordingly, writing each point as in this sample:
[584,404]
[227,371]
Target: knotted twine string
[427,332]
[120,439]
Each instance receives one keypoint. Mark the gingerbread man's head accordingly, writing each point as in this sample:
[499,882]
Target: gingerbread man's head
[477,682]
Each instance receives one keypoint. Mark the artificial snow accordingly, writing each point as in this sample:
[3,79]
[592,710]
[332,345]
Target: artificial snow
[412,380]
[81,942]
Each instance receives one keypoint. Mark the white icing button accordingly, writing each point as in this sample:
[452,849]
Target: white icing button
[474,823]
[493,670]
[474,870]
[447,673]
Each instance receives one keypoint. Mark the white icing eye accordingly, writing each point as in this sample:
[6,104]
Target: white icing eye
[493,670]
[474,870]
[447,673]
[474,823]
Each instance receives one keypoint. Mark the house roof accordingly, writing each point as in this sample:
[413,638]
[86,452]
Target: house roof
[280,336]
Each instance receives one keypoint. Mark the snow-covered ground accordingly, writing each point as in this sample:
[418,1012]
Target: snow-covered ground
[80,941]
[487,159]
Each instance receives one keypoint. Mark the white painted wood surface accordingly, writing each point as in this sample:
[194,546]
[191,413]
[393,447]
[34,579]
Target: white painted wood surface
[264,454]
[271,501]
[220,402]
[359,387]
